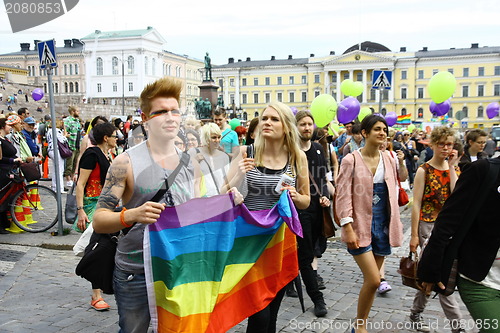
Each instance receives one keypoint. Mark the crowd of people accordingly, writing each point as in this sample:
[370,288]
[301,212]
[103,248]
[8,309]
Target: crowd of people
[354,175]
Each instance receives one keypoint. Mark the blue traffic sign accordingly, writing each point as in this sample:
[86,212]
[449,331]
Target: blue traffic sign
[47,54]
[382,80]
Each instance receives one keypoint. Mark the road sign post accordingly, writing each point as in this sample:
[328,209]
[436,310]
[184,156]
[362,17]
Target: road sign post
[48,60]
[381,80]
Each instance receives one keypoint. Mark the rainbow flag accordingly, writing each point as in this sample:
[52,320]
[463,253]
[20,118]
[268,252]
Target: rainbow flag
[404,120]
[210,264]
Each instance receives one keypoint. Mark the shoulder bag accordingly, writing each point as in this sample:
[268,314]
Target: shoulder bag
[64,149]
[408,270]
[98,262]
[31,171]
[328,229]
[70,211]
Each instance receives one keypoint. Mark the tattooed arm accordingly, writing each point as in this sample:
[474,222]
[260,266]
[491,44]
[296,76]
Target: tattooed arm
[118,186]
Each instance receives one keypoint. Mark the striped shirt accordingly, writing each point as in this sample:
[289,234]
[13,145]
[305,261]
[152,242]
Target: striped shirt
[72,126]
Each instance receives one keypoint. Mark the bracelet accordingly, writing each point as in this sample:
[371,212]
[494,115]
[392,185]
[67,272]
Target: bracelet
[122,218]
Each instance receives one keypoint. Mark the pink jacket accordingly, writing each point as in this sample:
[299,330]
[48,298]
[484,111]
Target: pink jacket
[355,194]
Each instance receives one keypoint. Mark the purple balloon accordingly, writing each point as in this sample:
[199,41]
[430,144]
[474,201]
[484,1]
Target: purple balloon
[348,110]
[391,118]
[294,110]
[492,110]
[440,109]
[37,94]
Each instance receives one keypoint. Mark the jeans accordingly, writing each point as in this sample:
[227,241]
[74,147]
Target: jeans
[132,301]
[483,304]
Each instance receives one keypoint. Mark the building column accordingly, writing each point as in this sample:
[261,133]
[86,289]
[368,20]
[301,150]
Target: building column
[365,91]
[338,87]
[327,83]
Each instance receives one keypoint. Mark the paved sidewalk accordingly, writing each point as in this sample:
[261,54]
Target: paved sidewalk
[39,292]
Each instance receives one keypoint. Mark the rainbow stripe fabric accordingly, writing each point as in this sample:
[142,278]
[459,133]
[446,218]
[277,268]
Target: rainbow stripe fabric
[210,264]
[404,120]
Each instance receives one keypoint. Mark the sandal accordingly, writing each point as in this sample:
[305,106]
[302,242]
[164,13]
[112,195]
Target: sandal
[384,287]
[99,305]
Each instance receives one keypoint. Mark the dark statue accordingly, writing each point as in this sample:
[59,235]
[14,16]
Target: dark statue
[208,68]
[203,108]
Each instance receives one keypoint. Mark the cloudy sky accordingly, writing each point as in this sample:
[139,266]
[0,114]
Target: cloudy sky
[262,28]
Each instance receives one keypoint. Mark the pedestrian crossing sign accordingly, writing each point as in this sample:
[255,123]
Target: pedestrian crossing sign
[382,80]
[47,54]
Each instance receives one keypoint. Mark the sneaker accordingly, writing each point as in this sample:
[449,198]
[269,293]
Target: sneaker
[321,283]
[384,287]
[320,309]
[418,322]
[291,292]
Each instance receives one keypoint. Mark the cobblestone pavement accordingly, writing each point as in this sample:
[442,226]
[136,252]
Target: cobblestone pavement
[39,292]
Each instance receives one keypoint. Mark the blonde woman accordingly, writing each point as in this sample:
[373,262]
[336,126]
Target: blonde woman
[274,154]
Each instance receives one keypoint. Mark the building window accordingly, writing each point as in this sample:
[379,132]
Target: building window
[373,93]
[420,113]
[130,65]
[231,99]
[291,80]
[244,98]
[71,87]
[450,70]
[268,81]
[304,96]
[256,81]
[291,97]
[466,72]
[243,82]
[76,87]
[465,91]
[65,69]
[114,65]
[420,92]
[221,82]
[268,98]
[304,79]
[450,113]
[496,90]
[404,75]
[66,87]
[130,86]
[420,74]
[465,111]
[480,71]
[70,69]
[480,112]
[56,88]
[146,65]
[359,77]
[99,87]
[99,68]
[153,65]
[279,97]
[231,82]
[178,71]
[256,98]
[435,71]
[497,70]
[403,111]
[316,78]
[76,69]
[316,93]
[480,90]
[115,87]
[279,81]
[403,93]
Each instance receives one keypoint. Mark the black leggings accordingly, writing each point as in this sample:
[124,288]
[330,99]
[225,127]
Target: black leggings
[264,321]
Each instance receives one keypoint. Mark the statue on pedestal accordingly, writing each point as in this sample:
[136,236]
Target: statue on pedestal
[207,109]
[198,107]
[208,68]
[220,101]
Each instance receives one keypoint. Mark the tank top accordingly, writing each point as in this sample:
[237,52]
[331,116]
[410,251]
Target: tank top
[148,178]
[436,190]
[261,183]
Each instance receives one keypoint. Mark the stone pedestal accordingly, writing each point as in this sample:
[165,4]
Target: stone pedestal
[208,89]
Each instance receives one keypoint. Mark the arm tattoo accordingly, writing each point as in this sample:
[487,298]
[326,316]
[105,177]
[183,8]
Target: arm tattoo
[115,182]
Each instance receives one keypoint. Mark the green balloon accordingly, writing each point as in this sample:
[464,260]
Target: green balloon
[357,89]
[347,87]
[365,111]
[333,127]
[323,109]
[441,86]
[235,122]
[411,128]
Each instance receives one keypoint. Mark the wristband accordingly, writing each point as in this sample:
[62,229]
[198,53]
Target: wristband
[122,218]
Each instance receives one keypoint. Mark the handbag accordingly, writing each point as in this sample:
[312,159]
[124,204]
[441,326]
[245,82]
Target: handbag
[64,149]
[98,262]
[327,227]
[70,211]
[31,171]
[408,270]
[83,241]
[402,196]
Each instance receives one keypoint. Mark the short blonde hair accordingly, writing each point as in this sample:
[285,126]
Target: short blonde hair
[206,132]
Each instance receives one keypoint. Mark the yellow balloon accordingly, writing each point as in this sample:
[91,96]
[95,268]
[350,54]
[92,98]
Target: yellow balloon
[347,87]
[333,127]
[357,89]
[365,111]
[441,86]
[411,127]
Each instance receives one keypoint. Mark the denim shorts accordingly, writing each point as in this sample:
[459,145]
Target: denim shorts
[380,224]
